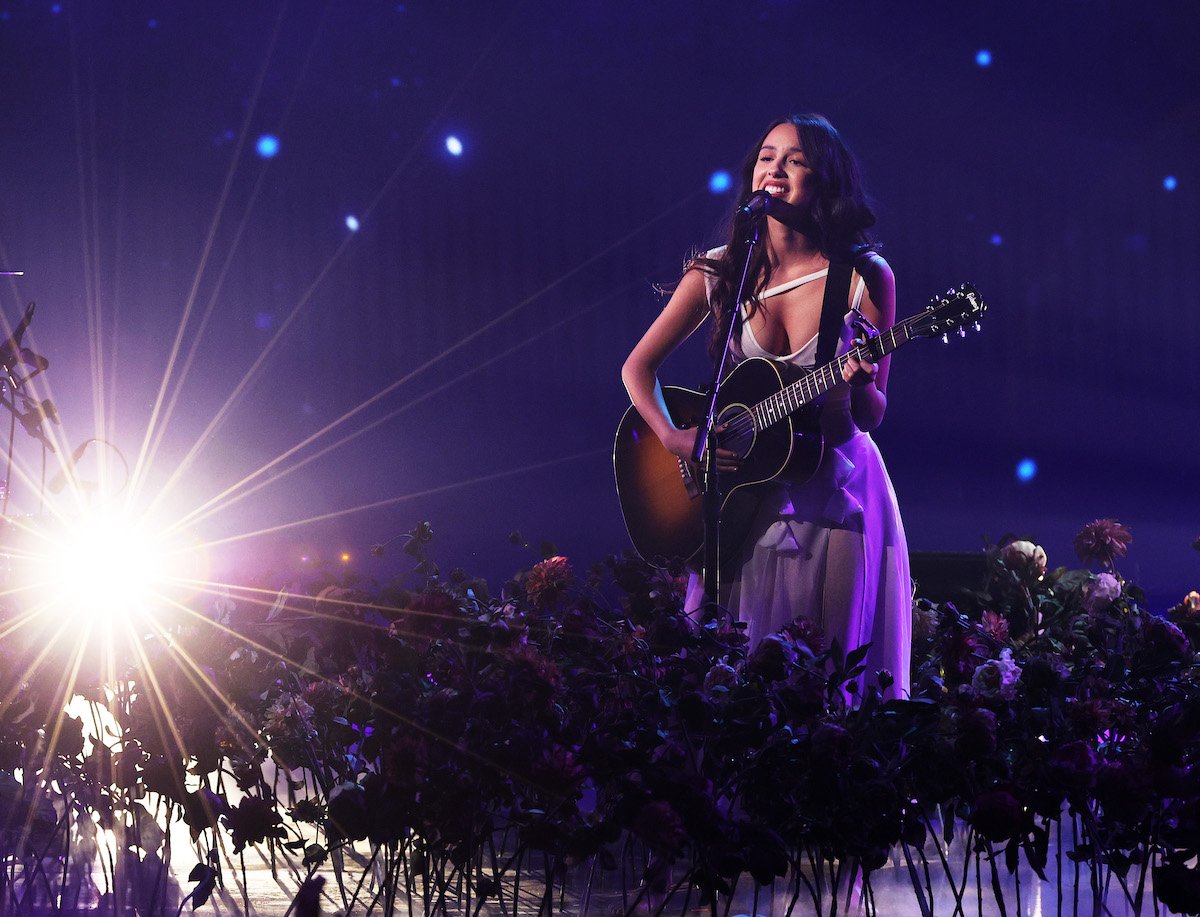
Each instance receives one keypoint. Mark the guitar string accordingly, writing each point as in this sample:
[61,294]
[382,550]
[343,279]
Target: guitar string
[778,405]
[816,383]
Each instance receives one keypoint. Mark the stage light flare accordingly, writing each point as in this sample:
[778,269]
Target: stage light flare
[352,223]
[720,182]
[983,57]
[267,146]
[1027,470]
[454,146]
[1170,183]
[107,567]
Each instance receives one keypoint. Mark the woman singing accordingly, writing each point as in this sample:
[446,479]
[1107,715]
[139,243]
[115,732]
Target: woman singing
[831,549]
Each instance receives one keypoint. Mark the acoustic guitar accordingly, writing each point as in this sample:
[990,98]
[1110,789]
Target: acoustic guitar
[770,421]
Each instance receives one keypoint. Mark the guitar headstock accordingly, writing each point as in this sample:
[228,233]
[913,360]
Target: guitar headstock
[955,310]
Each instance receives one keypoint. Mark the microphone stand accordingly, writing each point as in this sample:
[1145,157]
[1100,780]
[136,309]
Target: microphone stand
[704,452]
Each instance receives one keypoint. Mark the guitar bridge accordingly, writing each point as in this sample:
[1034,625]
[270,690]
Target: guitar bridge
[688,472]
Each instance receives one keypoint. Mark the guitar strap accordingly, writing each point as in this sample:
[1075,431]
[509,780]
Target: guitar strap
[833,309]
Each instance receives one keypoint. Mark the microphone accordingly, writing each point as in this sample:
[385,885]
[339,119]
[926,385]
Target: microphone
[763,203]
[757,206]
[59,481]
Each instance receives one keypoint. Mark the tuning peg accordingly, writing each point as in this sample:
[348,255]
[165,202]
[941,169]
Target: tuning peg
[945,338]
[978,327]
[962,332]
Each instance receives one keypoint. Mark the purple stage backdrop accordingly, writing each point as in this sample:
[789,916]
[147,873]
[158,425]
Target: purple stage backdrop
[447,220]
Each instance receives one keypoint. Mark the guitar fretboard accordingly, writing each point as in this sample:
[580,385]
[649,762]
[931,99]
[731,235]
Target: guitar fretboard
[813,385]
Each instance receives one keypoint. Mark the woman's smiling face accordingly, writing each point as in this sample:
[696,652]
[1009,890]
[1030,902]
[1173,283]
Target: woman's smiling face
[782,171]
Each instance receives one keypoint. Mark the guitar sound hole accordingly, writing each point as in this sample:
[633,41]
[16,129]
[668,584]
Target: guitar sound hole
[739,430]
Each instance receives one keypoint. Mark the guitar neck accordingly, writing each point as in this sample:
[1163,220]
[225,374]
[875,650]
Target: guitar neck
[813,385]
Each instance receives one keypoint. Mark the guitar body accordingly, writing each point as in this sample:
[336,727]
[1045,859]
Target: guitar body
[660,494]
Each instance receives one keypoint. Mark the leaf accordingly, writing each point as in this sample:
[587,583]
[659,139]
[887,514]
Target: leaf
[202,891]
[856,656]
[1036,850]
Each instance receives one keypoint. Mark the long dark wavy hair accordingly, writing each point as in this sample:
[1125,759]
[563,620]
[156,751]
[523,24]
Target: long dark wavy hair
[837,222]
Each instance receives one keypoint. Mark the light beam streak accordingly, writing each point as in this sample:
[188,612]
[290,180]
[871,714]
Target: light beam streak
[145,453]
[392,501]
[211,508]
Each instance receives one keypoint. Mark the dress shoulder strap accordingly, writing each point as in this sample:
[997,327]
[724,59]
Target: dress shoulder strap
[792,284]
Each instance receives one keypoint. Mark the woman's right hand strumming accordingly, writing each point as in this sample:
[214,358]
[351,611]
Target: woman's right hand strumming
[683,442]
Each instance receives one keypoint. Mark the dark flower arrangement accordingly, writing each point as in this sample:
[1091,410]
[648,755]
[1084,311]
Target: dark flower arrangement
[426,746]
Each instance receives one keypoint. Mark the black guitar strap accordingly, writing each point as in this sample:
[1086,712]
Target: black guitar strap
[833,309]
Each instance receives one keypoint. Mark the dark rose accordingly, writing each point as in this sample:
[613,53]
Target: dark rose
[1102,542]
[1040,676]
[348,812]
[806,634]
[963,655]
[1091,716]
[556,770]
[429,616]
[548,580]
[307,810]
[721,675]
[1166,641]
[660,826]
[830,743]
[1074,765]
[253,821]
[772,658]
[532,678]
[1124,788]
[997,814]
[1178,887]
[995,625]
[976,732]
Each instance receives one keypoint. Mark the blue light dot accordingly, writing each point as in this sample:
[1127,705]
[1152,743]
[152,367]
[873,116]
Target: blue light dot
[152,23]
[267,146]
[1170,183]
[1027,470]
[997,239]
[352,223]
[983,57]
[720,181]
[454,146]
[56,9]
[263,321]
[397,82]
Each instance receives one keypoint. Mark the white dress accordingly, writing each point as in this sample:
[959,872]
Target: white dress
[831,549]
